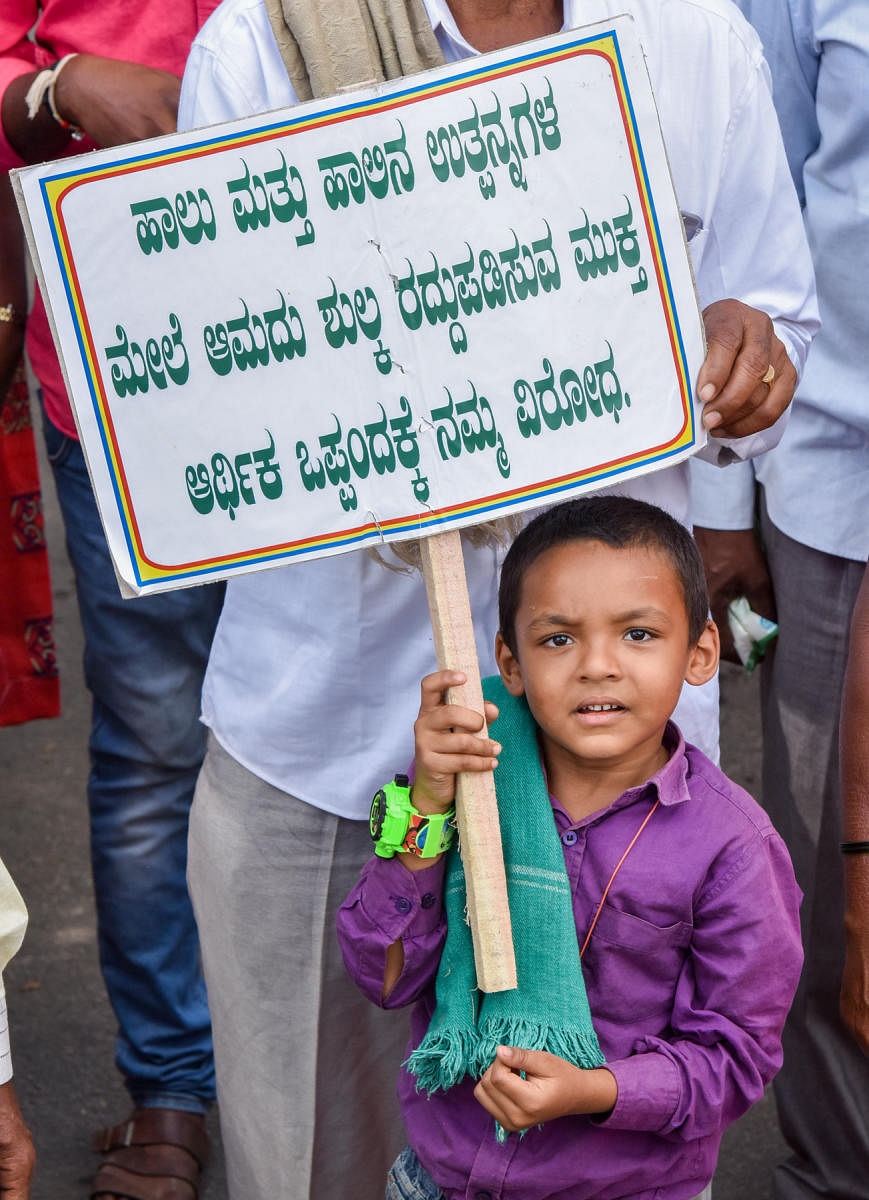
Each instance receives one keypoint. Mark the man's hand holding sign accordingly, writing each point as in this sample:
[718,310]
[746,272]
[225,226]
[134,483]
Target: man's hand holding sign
[747,379]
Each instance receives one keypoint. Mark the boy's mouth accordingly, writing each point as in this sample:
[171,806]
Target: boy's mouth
[600,708]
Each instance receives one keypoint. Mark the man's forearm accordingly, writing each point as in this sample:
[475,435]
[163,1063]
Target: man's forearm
[112,101]
[854,735]
[17,1156]
[36,139]
[13,286]
[854,754]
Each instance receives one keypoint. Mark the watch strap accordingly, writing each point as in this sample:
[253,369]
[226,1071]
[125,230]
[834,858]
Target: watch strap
[429,835]
[396,826]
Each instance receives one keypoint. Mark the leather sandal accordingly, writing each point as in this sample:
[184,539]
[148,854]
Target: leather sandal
[157,1154]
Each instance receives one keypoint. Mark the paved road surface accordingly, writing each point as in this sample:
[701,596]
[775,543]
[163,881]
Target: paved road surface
[62,1024]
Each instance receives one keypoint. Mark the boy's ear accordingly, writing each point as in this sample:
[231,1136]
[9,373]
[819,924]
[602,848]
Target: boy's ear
[508,665]
[704,655]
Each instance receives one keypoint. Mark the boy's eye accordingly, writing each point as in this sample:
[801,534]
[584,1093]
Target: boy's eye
[558,639]
[639,635]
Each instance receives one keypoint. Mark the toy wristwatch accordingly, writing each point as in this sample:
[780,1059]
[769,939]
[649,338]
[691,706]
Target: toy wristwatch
[396,825]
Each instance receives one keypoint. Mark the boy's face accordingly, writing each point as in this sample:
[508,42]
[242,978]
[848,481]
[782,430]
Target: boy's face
[602,651]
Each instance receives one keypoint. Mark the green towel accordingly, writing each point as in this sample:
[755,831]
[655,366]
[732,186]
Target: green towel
[549,1009]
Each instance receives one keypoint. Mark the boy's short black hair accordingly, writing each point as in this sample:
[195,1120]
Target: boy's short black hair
[616,521]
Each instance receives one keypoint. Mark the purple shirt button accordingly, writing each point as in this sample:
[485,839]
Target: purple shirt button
[402,904]
[428,900]
[569,837]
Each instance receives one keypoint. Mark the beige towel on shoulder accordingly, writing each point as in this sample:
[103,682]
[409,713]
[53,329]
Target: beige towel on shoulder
[328,45]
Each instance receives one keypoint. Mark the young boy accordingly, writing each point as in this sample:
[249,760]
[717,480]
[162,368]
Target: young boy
[682,894]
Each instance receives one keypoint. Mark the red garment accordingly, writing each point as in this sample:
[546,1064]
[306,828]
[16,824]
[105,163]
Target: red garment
[29,686]
[157,33]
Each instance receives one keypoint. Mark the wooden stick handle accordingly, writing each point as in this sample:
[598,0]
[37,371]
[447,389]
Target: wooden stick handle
[476,806]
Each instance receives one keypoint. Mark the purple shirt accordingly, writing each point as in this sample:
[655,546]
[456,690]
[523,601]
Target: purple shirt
[690,972]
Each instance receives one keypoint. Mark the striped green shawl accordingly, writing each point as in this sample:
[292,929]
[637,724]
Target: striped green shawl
[549,1009]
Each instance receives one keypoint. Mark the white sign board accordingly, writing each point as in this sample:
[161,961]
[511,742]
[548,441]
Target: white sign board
[414,307]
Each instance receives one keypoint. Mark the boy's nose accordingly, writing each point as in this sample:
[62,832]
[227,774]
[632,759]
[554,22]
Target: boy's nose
[599,661]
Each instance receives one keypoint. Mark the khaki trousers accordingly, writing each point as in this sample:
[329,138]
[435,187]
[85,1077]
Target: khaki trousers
[306,1066]
[822,1090]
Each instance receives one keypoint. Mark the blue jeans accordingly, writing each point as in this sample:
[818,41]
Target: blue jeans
[409,1180]
[144,663]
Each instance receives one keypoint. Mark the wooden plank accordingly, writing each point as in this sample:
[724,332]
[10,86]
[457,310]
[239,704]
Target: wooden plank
[476,807]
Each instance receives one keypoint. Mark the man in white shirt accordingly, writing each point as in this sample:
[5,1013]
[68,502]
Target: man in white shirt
[814,500]
[16,1146]
[312,684]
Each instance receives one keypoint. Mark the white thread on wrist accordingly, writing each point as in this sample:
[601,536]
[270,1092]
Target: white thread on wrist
[41,91]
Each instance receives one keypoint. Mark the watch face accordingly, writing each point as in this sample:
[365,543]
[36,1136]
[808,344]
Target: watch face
[377,815]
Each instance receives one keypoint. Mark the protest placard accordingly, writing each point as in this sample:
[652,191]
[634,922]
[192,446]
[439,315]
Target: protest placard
[375,316]
[386,314]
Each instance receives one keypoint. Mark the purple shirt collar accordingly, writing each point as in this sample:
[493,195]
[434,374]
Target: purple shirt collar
[670,782]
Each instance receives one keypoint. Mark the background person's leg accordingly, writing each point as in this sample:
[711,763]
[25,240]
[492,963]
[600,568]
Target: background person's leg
[144,663]
[822,1090]
[306,1066]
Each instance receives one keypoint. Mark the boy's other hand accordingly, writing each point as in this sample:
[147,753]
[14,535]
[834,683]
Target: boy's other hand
[552,1088]
[447,739]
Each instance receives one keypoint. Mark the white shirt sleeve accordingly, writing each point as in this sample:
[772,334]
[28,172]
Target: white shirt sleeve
[222,86]
[755,248]
[722,499]
[13,922]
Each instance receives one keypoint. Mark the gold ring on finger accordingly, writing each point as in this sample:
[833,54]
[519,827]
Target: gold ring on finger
[769,376]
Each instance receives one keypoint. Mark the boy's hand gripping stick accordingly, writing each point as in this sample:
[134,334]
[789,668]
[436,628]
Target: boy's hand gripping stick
[476,807]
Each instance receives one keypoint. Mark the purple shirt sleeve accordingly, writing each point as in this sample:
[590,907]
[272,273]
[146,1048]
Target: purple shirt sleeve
[388,904]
